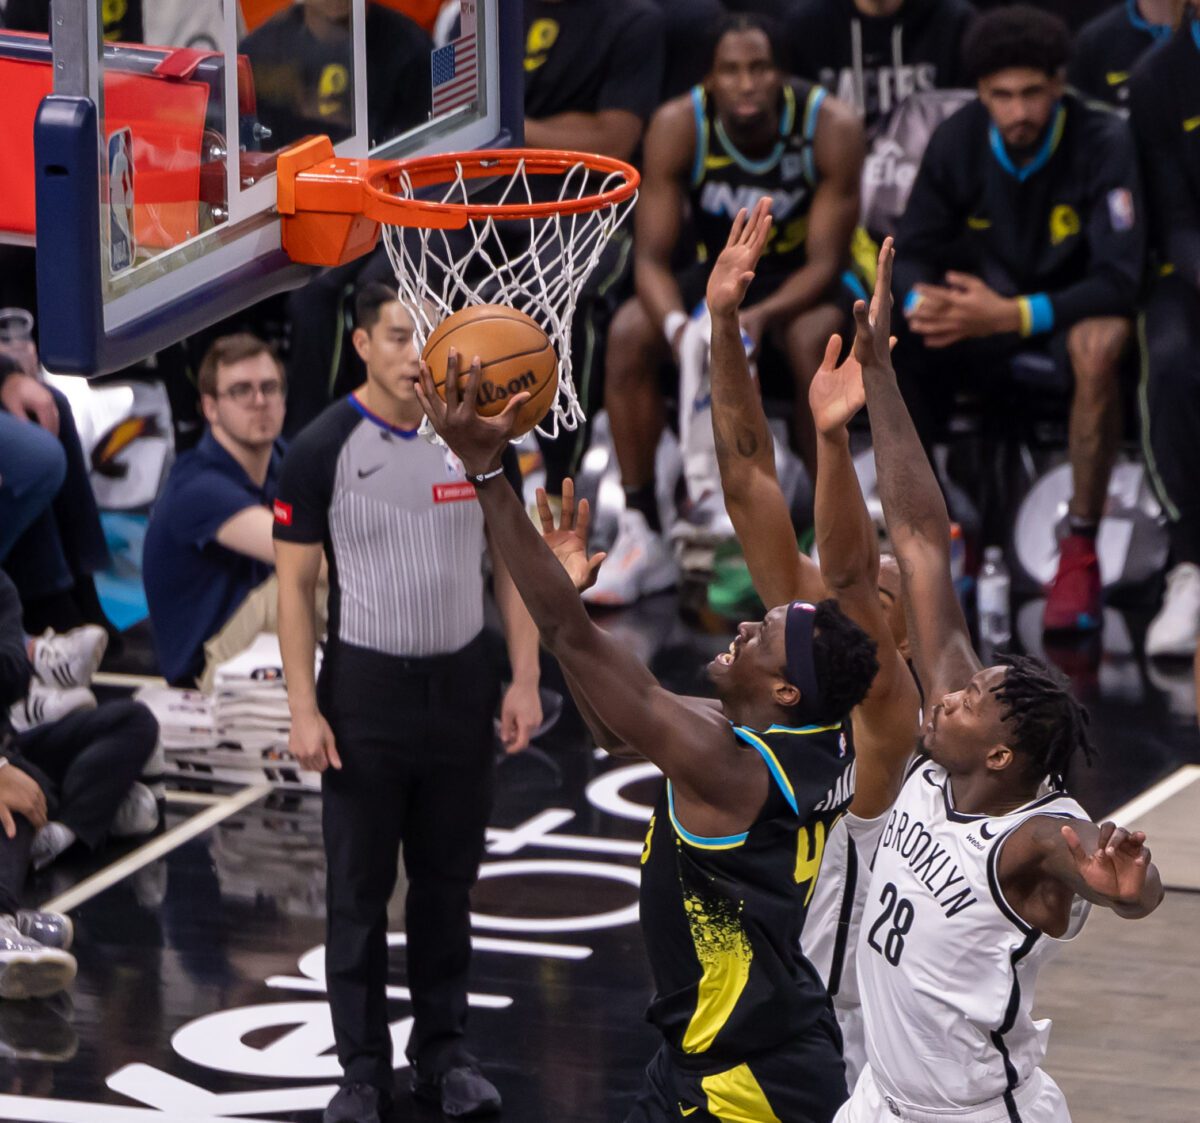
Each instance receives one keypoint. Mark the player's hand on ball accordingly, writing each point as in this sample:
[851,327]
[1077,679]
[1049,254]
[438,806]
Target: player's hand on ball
[478,441]
[1117,867]
[311,742]
[569,540]
[734,269]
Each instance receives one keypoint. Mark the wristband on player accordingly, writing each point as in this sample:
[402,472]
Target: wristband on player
[672,322]
[483,477]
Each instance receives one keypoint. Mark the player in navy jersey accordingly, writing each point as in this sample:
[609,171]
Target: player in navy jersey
[753,783]
[850,571]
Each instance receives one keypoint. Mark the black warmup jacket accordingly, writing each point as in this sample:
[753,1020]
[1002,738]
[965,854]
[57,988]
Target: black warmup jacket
[1066,230]
[1165,113]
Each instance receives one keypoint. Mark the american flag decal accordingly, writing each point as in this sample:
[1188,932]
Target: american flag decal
[455,69]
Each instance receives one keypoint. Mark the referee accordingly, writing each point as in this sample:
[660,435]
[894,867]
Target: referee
[400,722]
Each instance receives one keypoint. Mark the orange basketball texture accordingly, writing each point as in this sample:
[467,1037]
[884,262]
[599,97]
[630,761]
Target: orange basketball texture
[516,354]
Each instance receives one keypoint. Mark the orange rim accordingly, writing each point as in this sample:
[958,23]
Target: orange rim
[383,204]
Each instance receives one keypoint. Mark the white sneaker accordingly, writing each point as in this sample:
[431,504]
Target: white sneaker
[49,842]
[137,814]
[638,564]
[47,703]
[69,659]
[29,970]
[1176,628]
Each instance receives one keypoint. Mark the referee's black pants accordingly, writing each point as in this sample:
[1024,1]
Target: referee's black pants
[1171,407]
[415,737]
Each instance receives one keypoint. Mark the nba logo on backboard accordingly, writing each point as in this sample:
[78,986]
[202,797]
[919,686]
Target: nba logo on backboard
[122,247]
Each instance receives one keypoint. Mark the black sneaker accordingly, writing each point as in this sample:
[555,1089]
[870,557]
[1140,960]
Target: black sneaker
[357,1103]
[461,1092]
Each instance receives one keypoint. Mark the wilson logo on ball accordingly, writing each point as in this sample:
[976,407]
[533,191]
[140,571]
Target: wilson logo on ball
[493,392]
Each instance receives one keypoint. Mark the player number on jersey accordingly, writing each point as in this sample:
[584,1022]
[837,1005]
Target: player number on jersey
[899,911]
[809,850]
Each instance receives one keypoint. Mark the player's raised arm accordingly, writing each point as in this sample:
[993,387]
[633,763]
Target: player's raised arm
[745,448]
[688,739]
[885,723]
[917,521]
[1100,862]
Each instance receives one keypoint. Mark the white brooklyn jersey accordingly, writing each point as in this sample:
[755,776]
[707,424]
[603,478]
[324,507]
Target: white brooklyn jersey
[830,934]
[946,968]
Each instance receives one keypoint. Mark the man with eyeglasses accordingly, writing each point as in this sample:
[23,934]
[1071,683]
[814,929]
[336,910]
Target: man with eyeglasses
[208,563]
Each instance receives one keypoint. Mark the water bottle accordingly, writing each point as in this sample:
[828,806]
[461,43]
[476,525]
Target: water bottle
[992,601]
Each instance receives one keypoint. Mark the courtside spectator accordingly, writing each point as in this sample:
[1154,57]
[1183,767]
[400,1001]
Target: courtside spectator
[1165,107]
[86,766]
[54,543]
[1107,48]
[874,53]
[1024,231]
[208,559]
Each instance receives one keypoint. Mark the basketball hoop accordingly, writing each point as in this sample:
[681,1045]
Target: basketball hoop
[532,246]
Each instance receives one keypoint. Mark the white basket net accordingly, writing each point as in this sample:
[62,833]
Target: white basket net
[538,266]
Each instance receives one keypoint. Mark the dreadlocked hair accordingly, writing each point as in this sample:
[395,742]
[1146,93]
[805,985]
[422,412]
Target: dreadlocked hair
[1049,725]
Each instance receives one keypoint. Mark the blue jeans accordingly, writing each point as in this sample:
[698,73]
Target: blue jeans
[32,469]
[64,542]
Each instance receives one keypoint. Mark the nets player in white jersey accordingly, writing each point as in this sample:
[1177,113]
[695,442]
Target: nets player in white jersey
[985,866]
[850,571]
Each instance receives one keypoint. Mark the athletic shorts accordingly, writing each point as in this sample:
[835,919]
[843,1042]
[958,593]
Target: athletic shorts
[801,1083]
[1038,1100]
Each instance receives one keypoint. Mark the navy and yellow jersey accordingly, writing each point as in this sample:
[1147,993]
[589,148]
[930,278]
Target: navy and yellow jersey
[1065,231]
[722,916]
[1165,112]
[1106,50]
[724,180]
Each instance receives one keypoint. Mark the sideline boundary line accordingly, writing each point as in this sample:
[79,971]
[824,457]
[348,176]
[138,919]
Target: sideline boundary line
[155,848]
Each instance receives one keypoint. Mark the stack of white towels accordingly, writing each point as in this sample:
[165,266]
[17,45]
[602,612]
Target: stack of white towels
[239,733]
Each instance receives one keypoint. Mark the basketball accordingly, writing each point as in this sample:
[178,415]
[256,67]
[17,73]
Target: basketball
[516,354]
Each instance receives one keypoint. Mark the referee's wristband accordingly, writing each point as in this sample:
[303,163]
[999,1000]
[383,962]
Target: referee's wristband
[485,476]
[672,322]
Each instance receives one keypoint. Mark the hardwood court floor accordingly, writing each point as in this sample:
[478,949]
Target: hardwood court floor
[200,994]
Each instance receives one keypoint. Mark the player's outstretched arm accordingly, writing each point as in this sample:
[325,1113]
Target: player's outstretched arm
[745,448]
[885,723]
[686,738]
[1101,862]
[917,521]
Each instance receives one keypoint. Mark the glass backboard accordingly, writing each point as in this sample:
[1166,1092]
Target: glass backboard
[153,164]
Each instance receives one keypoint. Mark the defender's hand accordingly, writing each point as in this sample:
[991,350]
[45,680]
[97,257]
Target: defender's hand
[569,540]
[1117,867]
[836,393]
[873,326]
[734,269]
[478,441]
